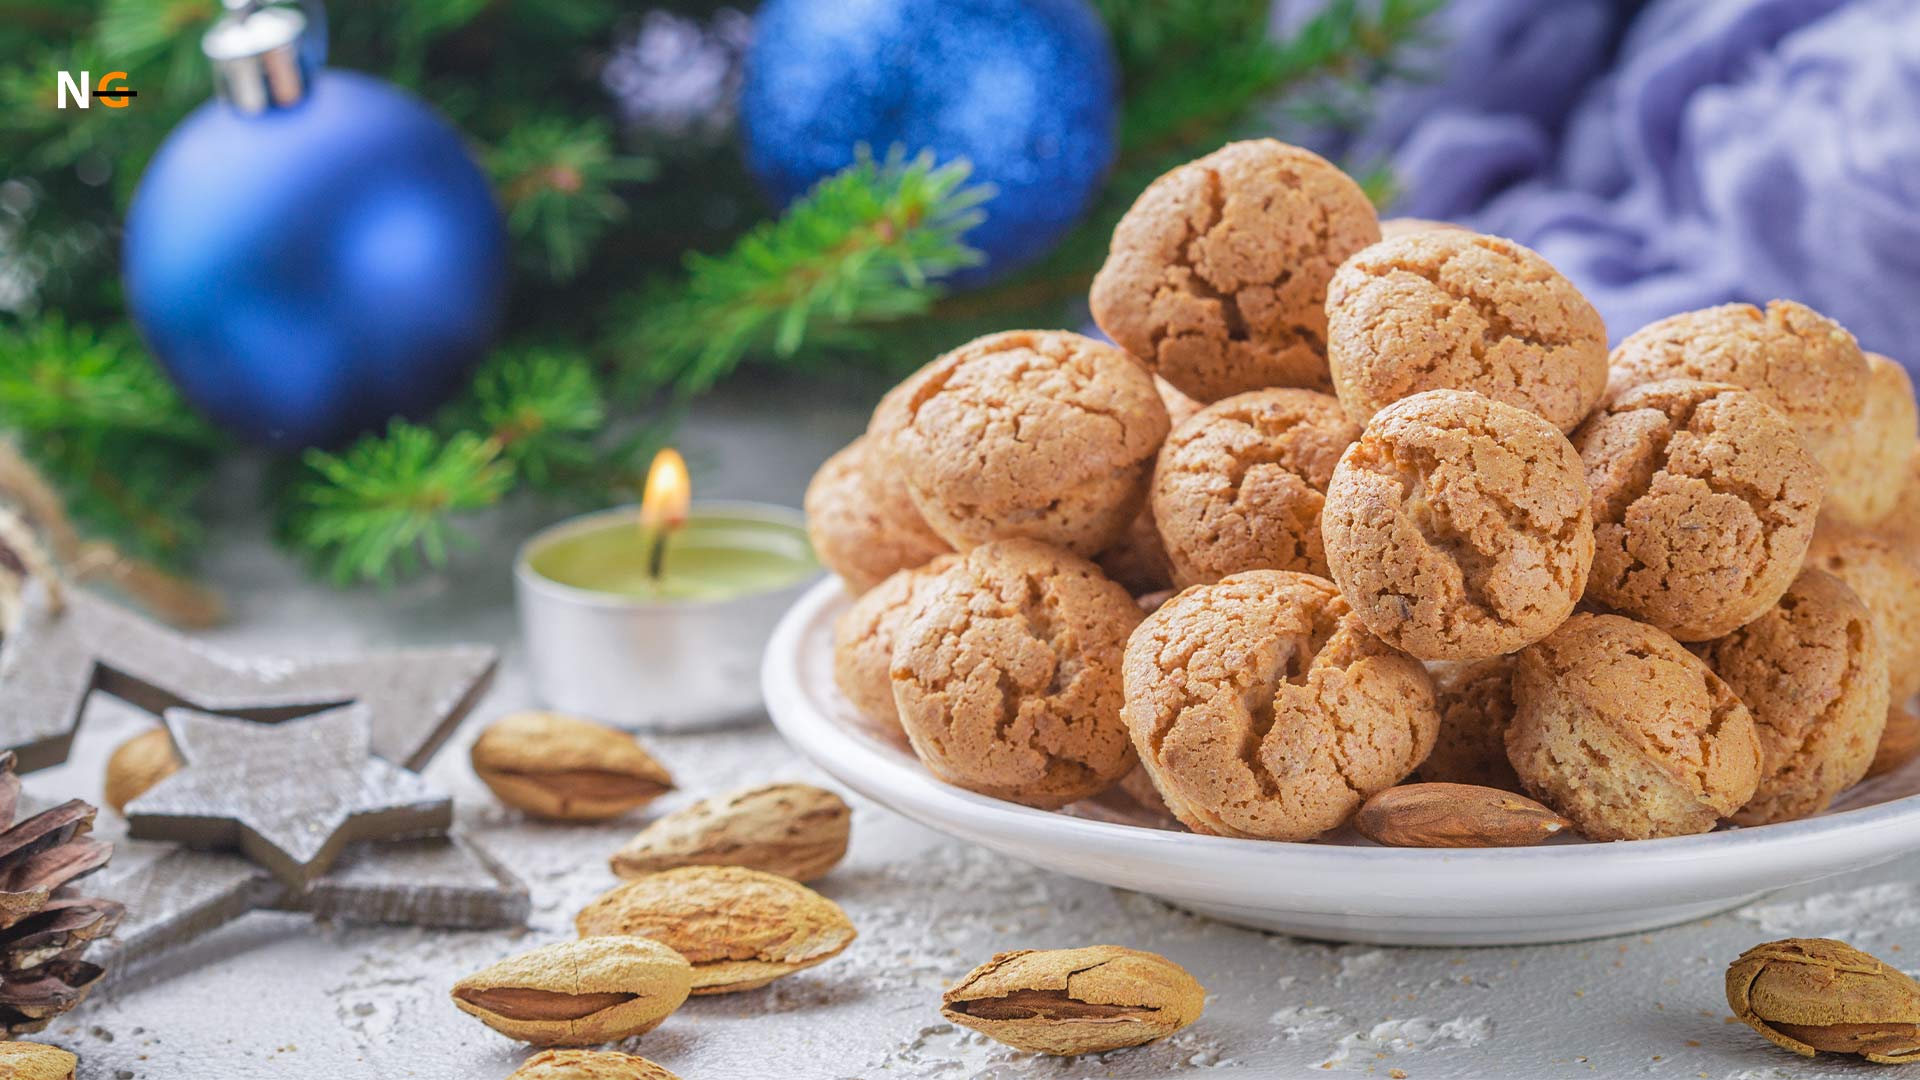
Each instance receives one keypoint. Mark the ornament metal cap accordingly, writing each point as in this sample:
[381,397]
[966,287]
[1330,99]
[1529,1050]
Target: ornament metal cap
[258,55]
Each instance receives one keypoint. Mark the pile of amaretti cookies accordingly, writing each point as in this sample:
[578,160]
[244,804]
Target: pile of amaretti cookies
[1422,527]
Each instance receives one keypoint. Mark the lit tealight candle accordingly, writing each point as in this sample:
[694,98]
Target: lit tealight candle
[663,507]
[656,616]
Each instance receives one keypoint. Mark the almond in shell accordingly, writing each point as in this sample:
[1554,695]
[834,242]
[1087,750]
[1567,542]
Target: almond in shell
[561,767]
[1075,1001]
[578,993]
[795,830]
[36,1061]
[740,928]
[1816,994]
[139,763]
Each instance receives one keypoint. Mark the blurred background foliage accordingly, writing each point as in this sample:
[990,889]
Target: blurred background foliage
[647,266]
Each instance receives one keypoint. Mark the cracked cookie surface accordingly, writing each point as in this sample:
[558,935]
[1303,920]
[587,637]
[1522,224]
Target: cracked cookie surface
[1704,502]
[1622,730]
[1240,484]
[1036,434]
[1886,578]
[1007,675]
[1457,310]
[1878,445]
[1217,276]
[863,638]
[1263,708]
[1794,358]
[1812,672]
[1458,527]
[1476,707]
[861,529]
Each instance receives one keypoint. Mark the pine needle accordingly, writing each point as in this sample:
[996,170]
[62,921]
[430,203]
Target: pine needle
[865,246]
[384,506]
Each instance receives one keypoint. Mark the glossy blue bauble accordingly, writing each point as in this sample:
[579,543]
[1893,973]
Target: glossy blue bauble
[306,273]
[1026,90]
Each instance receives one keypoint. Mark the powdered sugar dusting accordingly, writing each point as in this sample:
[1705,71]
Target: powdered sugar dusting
[948,1050]
[1860,913]
[1415,1034]
[1302,1022]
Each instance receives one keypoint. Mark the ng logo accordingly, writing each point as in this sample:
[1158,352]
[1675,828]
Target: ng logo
[81,91]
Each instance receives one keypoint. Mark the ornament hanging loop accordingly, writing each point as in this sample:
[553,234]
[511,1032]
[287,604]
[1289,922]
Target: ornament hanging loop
[264,54]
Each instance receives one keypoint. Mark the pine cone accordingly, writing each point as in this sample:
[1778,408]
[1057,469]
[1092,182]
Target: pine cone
[44,927]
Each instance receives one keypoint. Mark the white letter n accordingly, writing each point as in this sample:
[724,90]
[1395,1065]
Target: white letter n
[80,92]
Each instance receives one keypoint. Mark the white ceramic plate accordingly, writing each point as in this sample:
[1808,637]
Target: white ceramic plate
[1344,889]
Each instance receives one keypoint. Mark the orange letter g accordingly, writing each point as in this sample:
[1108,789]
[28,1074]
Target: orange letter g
[109,101]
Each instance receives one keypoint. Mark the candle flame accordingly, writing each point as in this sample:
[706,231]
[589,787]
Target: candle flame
[663,505]
[668,493]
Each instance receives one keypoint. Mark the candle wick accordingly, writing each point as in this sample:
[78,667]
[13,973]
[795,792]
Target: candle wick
[657,554]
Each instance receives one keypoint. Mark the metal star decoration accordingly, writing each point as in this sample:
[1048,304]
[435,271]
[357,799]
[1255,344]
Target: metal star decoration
[440,882]
[68,645]
[289,795]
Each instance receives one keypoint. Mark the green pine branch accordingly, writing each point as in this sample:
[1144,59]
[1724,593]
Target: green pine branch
[55,377]
[866,246]
[390,504]
[559,181]
[1195,97]
[544,408]
[143,494]
[109,430]
[384,507]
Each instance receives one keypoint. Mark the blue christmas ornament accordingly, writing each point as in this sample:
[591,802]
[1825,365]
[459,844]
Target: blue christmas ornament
[315,252]
[1026,90]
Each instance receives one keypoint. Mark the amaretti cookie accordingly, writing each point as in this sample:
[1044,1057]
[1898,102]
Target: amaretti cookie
[1455,310]
[1867,459]
[1459,527]
[1139,559]
[1794,358]
[1007,675]
[1813,674]
[1476,707]
[1622,730]
[1240,484]
[1704,502]
[1217,277]
[1036,434]
[863,638]
[1263,708]
[860,529]
[1887,580]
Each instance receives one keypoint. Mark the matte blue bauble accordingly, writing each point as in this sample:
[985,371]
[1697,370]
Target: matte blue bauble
[1027,90]
[306,273]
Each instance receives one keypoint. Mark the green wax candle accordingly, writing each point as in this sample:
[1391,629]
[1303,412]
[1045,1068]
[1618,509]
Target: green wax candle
[715,556]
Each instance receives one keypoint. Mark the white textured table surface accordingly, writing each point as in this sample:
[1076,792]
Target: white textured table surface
[278,995]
